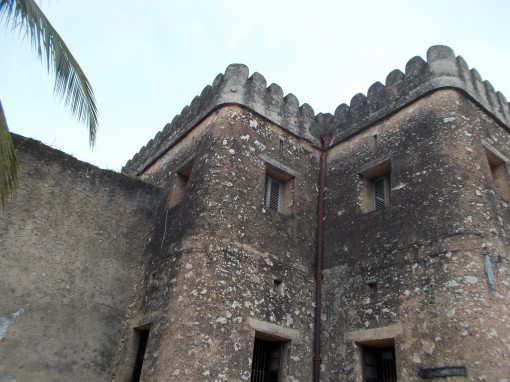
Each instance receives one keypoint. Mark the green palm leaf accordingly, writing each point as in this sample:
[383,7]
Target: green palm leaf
[71,85]
[8,163]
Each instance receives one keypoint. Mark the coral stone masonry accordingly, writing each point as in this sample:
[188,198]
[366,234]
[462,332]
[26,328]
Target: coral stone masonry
[206,260]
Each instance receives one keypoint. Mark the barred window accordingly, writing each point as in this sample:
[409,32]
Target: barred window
[379,364]
[270,358]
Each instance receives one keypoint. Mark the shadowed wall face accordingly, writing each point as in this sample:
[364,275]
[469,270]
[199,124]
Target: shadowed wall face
[70,242]
[228,269]
[413,274]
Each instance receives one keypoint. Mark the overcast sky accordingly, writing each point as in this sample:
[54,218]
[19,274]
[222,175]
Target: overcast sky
[147,59]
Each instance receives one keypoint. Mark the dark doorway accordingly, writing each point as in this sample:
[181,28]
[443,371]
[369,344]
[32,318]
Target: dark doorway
[379,364]
[267,356]
[141,337]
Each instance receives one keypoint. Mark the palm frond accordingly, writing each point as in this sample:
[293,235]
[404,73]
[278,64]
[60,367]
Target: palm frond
[71,84]
[8,163]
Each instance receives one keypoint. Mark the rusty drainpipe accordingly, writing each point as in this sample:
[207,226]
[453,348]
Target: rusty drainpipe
[326,140]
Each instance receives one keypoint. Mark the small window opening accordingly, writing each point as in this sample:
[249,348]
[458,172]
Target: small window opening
[375,136]
[381,192]
[267,360]
[178,190]
[273,194]
[278,287]
[499,174]
[379,364]
[375,194]
[141,339]
[372,285]
[277,190]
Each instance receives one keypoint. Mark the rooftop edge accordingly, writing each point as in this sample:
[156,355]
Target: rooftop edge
[441,70]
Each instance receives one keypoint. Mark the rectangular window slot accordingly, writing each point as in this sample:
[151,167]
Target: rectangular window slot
[372,285]
[375,193]
[141,338]
[267,361]
[499,174]
[180,185]
[278,287]
[381,191]
[273,194]
[277,190]
[379,364]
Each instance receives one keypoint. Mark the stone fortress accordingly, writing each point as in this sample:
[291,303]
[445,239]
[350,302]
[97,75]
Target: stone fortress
[252,240]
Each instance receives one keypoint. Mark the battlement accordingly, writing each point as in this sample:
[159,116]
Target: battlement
[235,87]
[441,70]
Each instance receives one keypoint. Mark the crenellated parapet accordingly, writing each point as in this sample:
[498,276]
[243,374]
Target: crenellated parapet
[441,70]
[235,87]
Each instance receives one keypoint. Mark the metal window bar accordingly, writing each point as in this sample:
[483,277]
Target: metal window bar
[388,366]
[259,366]
[274,362]
[379,365]
[266,361]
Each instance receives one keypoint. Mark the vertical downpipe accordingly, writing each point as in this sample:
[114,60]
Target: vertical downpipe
[326,140]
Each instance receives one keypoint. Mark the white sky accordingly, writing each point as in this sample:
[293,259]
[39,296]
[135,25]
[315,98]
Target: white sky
[147,59]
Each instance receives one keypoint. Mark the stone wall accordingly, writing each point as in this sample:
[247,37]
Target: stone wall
[427,275]
[199,261]
[209,284]
[71,240]
[414,273]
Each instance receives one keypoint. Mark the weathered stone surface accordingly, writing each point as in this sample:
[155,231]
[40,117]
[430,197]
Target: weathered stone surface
[70,244]
[426,273]
[425,251]
[214,269]
[441,70]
